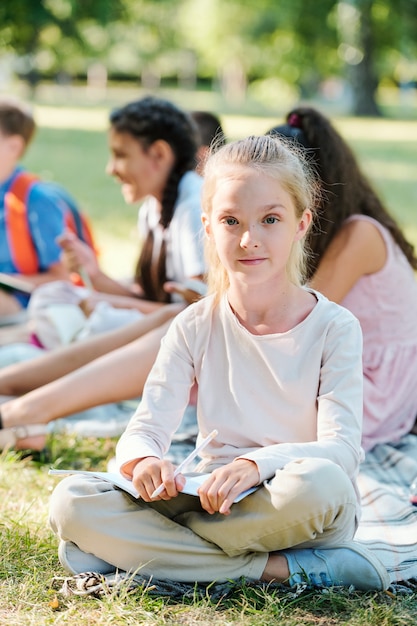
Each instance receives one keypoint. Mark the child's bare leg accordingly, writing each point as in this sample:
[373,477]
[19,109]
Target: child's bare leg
[8,304]
[20,378]
[276,568]
[116,376]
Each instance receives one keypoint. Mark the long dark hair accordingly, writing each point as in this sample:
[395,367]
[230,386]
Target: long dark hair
[149,120]
[346,190]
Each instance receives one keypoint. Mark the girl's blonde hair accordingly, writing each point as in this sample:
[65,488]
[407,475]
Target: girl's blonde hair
[277,158]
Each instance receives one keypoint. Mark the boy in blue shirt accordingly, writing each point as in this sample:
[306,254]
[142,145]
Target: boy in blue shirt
[31,214]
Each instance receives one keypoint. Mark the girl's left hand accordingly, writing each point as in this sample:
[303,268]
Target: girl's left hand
[218,492]
[190,291]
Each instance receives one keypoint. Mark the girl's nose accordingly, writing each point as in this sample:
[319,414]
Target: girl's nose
[249,238]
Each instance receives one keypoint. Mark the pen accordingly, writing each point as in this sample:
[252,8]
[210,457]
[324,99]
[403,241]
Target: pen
[85,278]
[187,460]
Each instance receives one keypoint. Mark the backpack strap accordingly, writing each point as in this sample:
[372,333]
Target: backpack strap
[22,248]
[88,232]
[78,223]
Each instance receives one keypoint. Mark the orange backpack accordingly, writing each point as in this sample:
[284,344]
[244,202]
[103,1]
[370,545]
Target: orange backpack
[22,249]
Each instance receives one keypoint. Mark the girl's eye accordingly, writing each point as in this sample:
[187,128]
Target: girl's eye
[271,219]
[230,221]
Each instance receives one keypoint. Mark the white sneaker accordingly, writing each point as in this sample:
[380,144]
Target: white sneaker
[347,564]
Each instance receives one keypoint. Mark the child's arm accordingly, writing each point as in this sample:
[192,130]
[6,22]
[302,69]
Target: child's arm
[164,400]
[78,255]
[357,250]
[55,271]
[123,302]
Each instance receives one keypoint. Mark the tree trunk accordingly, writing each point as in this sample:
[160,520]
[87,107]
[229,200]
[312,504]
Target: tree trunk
[363,76]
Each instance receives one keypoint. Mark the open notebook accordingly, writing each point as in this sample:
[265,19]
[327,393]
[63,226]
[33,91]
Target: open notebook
[193,481]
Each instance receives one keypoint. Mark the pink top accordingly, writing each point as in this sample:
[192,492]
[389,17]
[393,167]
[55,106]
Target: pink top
[386,305]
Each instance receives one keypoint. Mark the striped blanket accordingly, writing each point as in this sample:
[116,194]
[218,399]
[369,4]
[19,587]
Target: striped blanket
[389,521]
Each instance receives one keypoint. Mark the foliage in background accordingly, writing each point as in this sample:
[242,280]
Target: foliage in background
[50,32]
[298,44]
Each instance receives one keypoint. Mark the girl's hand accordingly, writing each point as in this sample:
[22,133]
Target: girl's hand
[218,492]
[191,291]
[150,472]
[76,254]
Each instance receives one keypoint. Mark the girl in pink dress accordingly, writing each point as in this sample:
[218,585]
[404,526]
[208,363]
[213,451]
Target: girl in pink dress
[362,260]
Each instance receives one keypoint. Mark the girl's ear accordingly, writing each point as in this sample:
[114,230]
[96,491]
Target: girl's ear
[303,225]
[161,153]
[206,224]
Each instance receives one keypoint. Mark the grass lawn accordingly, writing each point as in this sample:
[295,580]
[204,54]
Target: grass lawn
[28,565]
[71,148]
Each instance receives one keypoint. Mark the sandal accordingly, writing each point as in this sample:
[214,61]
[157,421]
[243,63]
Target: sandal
[10,436]
[100,585]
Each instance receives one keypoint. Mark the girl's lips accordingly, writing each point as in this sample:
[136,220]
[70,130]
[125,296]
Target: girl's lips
[251,261]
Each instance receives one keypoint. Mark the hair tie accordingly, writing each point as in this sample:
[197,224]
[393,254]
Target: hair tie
[294,120]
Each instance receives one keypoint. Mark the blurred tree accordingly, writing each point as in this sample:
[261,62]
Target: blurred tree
[376,38]
[149,37]
[49,33]
[306,41]
[294,43]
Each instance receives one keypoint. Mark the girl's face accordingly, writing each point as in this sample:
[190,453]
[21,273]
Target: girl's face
[253,225]
[138,170]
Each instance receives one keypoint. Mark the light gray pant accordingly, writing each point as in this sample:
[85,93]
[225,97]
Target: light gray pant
[311,502]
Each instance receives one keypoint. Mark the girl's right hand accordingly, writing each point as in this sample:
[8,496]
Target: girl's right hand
[150,472]
[76,254]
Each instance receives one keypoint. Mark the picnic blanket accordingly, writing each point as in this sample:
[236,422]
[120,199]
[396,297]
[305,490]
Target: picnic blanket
[388,524]
[389,521]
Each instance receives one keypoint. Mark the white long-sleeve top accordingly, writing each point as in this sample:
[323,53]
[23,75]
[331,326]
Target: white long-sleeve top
[184,237]
[273,398]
